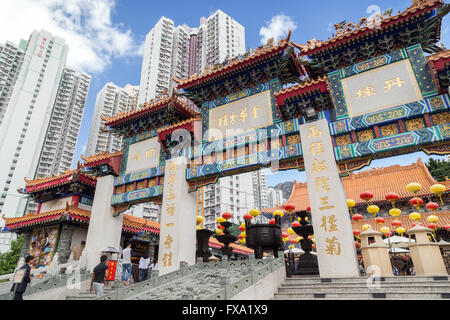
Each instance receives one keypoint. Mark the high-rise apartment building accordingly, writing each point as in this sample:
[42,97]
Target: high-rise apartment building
[65,122]
[26,120]
[260,188]
[235,194]
[11,59]
[110,101]
[178,52]
[274,197]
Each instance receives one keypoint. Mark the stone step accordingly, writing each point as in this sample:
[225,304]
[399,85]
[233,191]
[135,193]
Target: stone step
[307,280]
[404,290]
[363,296]
[364,285]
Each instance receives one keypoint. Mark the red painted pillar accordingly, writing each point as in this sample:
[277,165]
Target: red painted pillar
[401,126]
[377,131]
[354,137]
[76,199]
[284,140]
[428,121]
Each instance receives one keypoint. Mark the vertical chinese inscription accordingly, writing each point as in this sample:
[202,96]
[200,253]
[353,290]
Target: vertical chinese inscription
[330,218]
[168,247]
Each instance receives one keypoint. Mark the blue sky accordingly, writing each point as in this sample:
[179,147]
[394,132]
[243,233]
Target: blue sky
[106,36]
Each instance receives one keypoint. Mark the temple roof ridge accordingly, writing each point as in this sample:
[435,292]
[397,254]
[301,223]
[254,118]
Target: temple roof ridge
[267,48]
[346,30]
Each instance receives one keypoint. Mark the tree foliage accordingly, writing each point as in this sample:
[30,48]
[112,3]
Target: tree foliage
[439,169]
[9,259]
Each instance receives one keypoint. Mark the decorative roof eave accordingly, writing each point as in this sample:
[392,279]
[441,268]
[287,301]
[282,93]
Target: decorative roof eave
[301,89]
[55,216]
[188,124]
[110,159]
[315,46]
[439,61]
[70,176]
[236,65]
[123,118]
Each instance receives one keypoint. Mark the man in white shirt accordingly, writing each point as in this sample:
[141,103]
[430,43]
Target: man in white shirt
[154,265]
[143,268]
[126,263]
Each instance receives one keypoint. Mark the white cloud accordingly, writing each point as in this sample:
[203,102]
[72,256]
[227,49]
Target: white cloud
[278,27]
[86,26]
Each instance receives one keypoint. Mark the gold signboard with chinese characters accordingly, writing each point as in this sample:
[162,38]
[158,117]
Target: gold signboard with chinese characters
[336,252]
[388,86]
[143,155]
[243,115]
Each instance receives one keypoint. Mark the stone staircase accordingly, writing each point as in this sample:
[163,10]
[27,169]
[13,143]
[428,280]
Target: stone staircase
[387,288]
[86,295]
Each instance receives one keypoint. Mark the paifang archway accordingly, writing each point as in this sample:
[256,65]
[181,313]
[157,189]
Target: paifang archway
[373,91]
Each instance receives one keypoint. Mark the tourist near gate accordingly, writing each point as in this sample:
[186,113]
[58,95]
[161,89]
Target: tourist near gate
[324,107]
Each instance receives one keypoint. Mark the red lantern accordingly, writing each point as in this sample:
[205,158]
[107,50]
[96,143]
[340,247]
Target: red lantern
[295,224]
[379,220]
[417,202]
[432,226]
[432,206]
[308,208]
[272,221]
[284,235]
[248,217]
[227,215]
[392,197]
[356,232]
[241,228]
[221,227]
[240,237]
[293,241]
[366,196]
[289,207]
[356,244]
[313,246]
[396,223]
[357,217]
[447,227]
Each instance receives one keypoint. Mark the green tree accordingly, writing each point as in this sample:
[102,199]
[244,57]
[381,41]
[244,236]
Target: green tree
[9,260]
[439,169]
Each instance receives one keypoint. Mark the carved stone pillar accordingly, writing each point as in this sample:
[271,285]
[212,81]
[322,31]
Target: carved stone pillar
[65,243]
[26,244]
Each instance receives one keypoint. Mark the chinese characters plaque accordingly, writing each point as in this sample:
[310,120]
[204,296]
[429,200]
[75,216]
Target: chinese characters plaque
[243,115]
[143,155]
[388,86]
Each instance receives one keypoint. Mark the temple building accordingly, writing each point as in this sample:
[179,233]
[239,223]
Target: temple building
[381,181]
[61,222]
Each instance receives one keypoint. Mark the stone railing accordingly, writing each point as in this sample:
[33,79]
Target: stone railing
[53,276]
[231,277]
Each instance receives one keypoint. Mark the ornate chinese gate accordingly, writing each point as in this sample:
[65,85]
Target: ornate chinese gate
[372,91]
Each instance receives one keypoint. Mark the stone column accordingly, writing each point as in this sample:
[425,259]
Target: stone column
[178,232]
[104,229]
[152,249]
[65,243]
[336,252]
[445,248]
[25,244]
[425,255]
[375,255]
